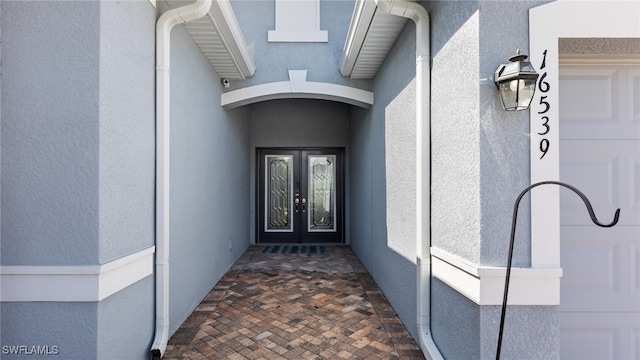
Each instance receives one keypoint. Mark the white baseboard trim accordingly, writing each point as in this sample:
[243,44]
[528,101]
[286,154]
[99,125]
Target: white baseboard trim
[485,285]
[80,283]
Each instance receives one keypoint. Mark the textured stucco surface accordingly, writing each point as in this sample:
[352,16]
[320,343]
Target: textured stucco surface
[480,162]
[455,122]
[384,180]
[78,134]
[464,330]
[361,180]
[126,322]
[455,323]
[209,179]
[78,153]
[29,324]
[504,137]
[50,136]
[77,162]
[530,332]
[273,60]
[127,128]
[393,218]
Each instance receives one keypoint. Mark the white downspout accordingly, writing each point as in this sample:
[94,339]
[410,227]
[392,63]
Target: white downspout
[165,23]
[420,16]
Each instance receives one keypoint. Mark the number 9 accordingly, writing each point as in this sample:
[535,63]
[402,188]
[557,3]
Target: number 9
[544,147]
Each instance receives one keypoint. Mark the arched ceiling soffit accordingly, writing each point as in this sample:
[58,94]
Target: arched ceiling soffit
[297,88]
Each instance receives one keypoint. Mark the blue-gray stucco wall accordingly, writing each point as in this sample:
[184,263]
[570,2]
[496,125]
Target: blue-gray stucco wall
[77,165]
[361,179]
[393,187]
[50,132]
[476,178]
[384,180]
[127,128]
[274,59]
[479,164]
[126,320]
[126,323]
[209,179]
[70,327]
[77,154]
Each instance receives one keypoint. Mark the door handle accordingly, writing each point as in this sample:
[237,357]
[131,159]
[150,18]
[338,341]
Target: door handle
[304,205]
[297,201]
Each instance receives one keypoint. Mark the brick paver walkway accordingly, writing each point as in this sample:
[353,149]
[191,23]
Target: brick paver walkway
[294,306]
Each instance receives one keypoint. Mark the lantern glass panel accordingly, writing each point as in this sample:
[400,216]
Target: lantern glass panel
[517,93]
[507,95]
[526,88]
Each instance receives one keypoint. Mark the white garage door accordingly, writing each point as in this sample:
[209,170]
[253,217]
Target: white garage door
[600,155]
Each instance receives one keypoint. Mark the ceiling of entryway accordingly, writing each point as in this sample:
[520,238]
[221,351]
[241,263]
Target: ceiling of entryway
[371,34]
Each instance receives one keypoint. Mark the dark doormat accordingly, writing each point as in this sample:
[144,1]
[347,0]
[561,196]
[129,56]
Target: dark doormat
[293,249]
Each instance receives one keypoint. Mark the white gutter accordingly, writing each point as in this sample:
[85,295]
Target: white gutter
[165,23]
[420,16]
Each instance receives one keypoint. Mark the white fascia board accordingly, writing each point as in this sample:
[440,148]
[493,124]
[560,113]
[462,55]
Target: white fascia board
[226,24]
[484,285]
[361,19]
[89,283]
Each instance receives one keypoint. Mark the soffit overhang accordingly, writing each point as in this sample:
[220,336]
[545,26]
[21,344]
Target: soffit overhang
[371,34]
[220,39]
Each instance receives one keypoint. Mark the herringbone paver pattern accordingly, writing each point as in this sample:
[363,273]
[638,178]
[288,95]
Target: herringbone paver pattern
[294,306]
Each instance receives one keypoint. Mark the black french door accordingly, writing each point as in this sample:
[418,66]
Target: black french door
[300,196]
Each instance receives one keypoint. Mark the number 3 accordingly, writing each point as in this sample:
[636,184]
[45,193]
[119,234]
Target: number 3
[546,125]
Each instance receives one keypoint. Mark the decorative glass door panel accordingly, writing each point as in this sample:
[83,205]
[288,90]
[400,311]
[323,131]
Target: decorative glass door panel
[322,193]
[279,199]
[300,195]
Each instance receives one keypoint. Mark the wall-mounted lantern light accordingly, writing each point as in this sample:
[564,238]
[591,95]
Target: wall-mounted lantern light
[516,82]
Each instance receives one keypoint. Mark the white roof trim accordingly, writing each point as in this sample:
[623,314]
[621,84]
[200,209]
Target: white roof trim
[360,20]
[220,39]
[297,87]
[371,35]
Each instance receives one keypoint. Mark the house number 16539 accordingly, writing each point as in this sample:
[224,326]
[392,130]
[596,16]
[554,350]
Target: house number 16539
[544,87]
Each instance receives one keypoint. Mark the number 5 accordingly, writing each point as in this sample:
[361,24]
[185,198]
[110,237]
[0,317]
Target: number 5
[546,104]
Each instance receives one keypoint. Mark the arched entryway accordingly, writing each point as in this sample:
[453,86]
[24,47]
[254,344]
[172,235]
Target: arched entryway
[293,135]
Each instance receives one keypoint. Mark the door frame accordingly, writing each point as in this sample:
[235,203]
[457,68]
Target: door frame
[340,191]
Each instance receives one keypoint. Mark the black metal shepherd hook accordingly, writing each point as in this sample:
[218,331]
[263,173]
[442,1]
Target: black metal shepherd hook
[513,234]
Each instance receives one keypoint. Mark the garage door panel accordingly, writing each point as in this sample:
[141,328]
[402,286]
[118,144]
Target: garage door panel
[633,92]
[635,343]
[634,255]
[608,172]
[599,312]
[601,85]
[634,185]
[601,268]
[599,102]
[599,336]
